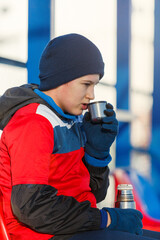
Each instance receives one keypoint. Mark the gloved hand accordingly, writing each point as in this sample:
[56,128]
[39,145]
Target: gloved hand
[126,220]
[100,136]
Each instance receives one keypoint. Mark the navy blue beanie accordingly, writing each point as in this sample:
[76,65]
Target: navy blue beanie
[66,58]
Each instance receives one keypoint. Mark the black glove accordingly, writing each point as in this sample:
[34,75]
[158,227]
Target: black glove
[100,136]
[126,220]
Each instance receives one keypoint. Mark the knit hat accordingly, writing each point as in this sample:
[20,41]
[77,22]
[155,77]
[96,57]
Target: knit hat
[66,58]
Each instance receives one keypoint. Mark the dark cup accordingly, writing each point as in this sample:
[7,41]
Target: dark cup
[96,110]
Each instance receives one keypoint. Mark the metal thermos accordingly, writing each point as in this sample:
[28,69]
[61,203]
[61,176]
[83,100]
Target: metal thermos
[96,110]
[125,198]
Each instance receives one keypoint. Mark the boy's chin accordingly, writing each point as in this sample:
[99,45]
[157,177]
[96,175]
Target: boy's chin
[77,113]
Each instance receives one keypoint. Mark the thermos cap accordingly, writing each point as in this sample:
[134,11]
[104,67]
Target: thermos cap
[96,110]
[125,186]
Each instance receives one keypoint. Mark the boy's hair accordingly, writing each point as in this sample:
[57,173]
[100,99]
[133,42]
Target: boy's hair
[66,58]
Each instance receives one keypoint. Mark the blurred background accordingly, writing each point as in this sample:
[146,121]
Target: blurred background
[127,33]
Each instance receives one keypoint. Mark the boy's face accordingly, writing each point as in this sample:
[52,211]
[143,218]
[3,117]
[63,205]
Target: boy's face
[73,97]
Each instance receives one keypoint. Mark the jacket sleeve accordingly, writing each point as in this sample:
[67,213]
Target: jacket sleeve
[99,172]
[99,180]
[39,207]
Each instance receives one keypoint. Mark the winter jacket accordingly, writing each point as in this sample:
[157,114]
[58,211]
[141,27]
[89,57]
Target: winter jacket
[49,190]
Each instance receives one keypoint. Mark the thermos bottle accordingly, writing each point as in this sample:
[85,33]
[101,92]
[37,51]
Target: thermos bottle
[125,198]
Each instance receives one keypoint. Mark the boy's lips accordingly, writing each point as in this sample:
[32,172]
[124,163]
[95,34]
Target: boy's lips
[84,106]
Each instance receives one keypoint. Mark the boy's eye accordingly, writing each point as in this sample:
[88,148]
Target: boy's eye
[87,84]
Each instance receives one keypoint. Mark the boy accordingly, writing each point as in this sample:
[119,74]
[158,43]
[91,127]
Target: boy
[55,166]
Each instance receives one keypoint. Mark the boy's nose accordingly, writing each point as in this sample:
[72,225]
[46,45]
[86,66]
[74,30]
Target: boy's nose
[90,93]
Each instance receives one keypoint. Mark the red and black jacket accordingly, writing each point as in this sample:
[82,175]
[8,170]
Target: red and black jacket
[49,190]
